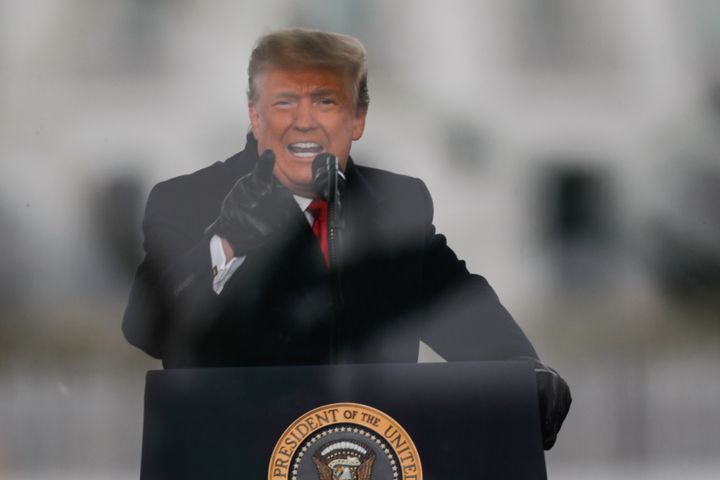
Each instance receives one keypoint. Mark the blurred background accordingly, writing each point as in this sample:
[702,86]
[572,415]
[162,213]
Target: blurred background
[572,149]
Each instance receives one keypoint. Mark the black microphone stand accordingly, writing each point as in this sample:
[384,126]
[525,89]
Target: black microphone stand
[328,179]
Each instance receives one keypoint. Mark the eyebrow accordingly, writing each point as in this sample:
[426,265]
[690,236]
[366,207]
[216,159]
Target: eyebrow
[286,95]
[323,92]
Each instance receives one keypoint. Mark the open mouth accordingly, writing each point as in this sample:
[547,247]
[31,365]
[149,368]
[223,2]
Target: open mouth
[305,149]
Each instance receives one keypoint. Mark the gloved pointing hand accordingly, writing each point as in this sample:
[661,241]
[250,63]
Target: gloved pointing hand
[255,208]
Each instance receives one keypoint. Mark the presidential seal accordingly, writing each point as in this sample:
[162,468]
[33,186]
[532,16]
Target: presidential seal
[345,441]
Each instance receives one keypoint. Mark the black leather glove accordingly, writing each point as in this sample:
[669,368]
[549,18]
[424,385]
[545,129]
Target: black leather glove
[255,208]
[555,400]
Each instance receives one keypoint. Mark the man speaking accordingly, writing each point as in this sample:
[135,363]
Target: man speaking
[240,269]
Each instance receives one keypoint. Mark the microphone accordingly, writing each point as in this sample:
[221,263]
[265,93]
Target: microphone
[328,179]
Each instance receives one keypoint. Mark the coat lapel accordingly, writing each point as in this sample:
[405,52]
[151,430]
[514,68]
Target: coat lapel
[368,248]
[363,212]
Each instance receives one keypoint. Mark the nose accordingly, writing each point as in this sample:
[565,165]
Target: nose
[304,117]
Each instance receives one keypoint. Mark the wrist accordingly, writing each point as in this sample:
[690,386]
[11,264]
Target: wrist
[227,249]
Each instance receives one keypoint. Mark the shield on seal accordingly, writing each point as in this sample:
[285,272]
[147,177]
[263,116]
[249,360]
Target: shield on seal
[344,460]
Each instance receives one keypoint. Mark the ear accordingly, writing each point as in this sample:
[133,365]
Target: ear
[359,123]
[254,116]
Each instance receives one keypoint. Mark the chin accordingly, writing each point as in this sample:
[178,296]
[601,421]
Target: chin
[304,178]
[300,184]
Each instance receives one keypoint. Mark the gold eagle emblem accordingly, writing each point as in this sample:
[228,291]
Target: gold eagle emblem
[344,460]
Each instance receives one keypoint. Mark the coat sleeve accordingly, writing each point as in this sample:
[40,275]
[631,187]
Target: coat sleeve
[175,276]
[466,319]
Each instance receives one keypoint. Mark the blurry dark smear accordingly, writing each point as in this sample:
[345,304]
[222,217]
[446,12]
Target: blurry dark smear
[466,145]
[579,222]
[686,246]
[116,210]
[13,276]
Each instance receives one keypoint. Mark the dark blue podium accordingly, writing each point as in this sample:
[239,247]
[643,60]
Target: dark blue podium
[465,420]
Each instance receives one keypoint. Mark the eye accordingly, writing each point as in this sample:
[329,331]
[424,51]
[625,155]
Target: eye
[327,101]
[282,103]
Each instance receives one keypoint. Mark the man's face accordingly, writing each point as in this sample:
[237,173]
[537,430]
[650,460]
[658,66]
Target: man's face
[299,114]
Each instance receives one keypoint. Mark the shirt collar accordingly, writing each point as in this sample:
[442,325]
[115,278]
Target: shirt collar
[303,202]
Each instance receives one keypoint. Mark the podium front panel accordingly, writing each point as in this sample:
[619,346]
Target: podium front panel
[468,420]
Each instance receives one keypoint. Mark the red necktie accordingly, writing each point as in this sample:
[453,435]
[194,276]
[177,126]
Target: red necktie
[318,209]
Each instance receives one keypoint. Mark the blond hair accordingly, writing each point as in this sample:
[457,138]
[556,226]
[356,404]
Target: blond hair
[302,48]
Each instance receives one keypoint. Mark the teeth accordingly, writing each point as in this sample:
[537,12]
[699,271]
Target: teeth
[306,145]
[304,154]
[305,149]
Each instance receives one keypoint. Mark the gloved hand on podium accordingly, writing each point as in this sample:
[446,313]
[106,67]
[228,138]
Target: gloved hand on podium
[555,399]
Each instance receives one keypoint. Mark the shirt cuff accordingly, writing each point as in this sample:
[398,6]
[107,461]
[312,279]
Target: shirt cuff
[221,267]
